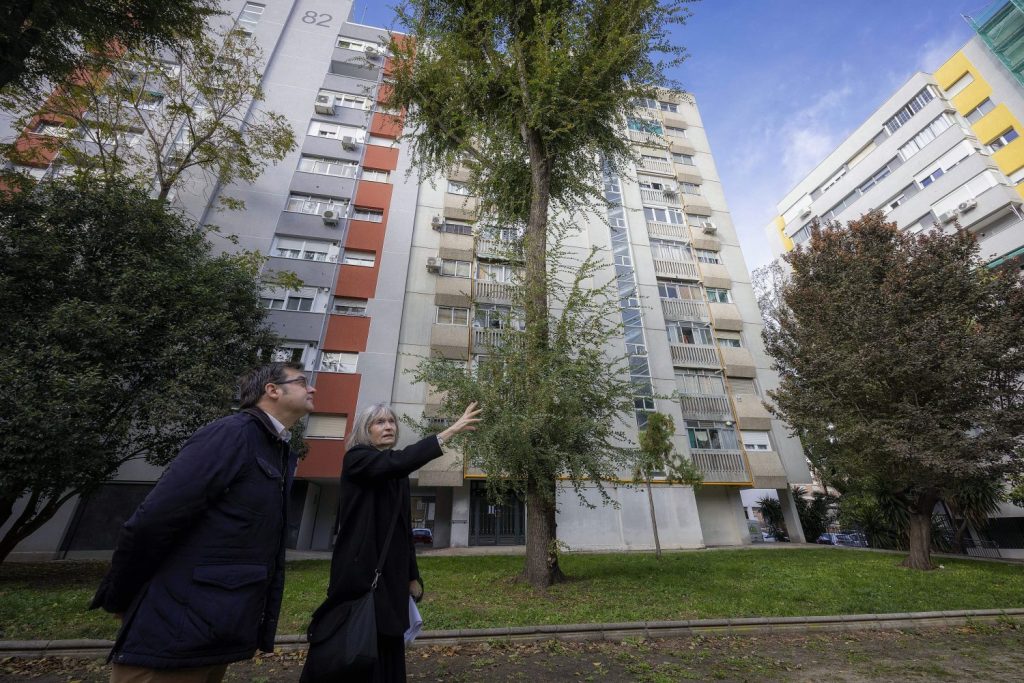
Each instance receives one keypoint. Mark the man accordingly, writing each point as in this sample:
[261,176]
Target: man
[198,570]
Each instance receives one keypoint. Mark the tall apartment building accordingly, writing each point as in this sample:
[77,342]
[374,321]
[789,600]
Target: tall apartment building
[943,148]
[395,267]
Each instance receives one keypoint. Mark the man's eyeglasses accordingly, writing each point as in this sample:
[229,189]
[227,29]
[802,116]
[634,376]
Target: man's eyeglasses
[301,381]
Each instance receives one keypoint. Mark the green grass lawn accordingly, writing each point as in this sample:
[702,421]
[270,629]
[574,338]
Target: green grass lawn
[43,601]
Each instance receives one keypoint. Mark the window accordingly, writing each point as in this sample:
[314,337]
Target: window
[644,126]
[651,161]
[647,103]
[1017,176]
[455,187]
[344,99]
[878,176]
[293,352]
[707,435]
[338,362]
[336,131]
[915,105]
[690,188]
[756,441]
[52,129]
[984,107]
[496,318]
[363,214]
[678,290]
[309,250]
[456,228]
[668,106]
[684,159]
[943,164]
[454,268]
[682,332]
[927,134]
[356,44]
[662,214]
[931,177]
[893,202]
[960,84]
[452,315]
[376,175]
[707,256]
[301,203]
[708,382]
[149,100]
[801,235]
[251,13]
[343,306]
[1005,138]
[495,272]
[365,259]
[671,251]
[326,427]
[280,299]
[742,386]
[676,132]
[719,296]
[729,340]
[328,166]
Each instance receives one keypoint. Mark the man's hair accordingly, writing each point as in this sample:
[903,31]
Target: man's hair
[360,435]
[252,385]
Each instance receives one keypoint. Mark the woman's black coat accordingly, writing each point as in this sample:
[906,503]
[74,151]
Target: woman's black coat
[372,483]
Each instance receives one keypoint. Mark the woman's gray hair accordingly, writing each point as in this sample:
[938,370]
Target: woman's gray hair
[360,435]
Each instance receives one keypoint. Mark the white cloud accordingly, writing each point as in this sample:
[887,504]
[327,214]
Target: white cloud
[935,52]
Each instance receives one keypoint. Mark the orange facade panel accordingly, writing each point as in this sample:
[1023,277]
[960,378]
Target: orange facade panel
[323,459]
[372,195]
[346,333]
[384,158]
[365,236]
[336,393]
[386,125]
[384,92]
[357,282]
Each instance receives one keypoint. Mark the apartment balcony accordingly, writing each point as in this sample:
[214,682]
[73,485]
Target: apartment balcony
[655,166]
[751,413]
[460,208]
[499,249]
[450,341]
[645,138]
[676,269]
[669,197]
[705,406]
[444,471]
[688,174]
[727,317]
[679,232]
[693,356]
[684,309]
[696,204]
[715,275]
[739,363]
[682,146]
[486,291]
[720,467]
[488,337]
[767,470]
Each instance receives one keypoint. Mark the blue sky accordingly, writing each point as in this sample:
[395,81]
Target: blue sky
[780,83]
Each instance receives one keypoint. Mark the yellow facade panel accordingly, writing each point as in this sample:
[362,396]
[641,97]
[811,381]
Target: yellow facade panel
[1011,157]
[955,67]
[780,225]
[995,123]
[973,95]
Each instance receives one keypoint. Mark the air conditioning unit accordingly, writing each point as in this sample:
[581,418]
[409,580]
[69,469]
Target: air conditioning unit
[324,104]
[433,265]
[371,51]
[436,222]
[805,213]
[348,142]
[947,217]
[709,228]
[670,192]
[330,217]
[967,205]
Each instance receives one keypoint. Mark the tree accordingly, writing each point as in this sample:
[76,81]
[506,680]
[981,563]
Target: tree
[45,40]
[899,356]
[122,336]
[528,95]
[161,114]
[557,412]
[656,455]
[771,513]
[815,513]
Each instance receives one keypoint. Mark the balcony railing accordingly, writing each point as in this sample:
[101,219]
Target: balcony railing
[647,138]
[693,356]
[659,196]
[705,405]
[492,248]
[485,289]
[680,269]
[720,466]
[489,337]
[668,230]
[656,165]
[684,309]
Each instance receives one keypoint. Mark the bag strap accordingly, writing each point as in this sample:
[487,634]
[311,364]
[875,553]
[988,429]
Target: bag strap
[387,543]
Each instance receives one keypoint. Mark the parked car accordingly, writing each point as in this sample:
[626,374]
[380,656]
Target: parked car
[828,539]
[425,536]
[853,540]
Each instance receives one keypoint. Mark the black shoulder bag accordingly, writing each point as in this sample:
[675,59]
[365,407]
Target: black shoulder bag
[343,634]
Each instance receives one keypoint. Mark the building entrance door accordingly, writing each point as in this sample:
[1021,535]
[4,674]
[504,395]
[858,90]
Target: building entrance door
[490,524]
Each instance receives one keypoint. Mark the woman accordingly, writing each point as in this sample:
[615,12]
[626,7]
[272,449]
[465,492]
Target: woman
[374,479]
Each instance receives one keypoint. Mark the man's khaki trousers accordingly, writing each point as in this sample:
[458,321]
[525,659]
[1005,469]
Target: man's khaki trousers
[137,674]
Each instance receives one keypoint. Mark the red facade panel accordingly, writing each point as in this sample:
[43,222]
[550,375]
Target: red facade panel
[384,158]
[336,393]
[386,125]
[323,459]
[346,333]
[357,282]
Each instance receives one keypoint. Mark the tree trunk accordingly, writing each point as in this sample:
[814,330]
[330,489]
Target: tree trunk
[654,517]
[541,568]
[921,533]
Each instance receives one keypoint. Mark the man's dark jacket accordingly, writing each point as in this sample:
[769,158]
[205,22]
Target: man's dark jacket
[372,483]
[198,570]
